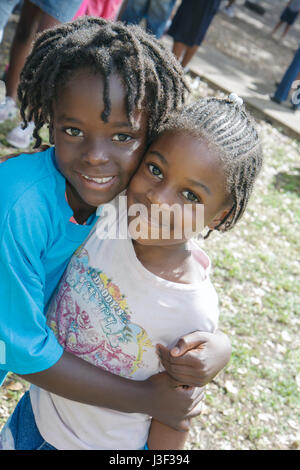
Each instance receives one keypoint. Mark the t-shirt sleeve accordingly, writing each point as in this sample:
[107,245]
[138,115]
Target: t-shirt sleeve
[30,345]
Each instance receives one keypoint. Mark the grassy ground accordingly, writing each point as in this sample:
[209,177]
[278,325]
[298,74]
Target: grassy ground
[255,402]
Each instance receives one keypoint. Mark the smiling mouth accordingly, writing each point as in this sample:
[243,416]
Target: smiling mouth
[97,180]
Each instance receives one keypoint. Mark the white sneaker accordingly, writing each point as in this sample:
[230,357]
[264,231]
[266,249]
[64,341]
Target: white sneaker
[19,137]
[8,109]
[229,11]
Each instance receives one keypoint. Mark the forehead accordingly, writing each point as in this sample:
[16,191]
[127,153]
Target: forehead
[85,93]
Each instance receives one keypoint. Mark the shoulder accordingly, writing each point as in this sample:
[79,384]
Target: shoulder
[19,173]
[27,183]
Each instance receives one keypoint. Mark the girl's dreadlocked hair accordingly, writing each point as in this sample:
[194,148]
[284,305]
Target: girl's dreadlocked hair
[229,130]
[151,75]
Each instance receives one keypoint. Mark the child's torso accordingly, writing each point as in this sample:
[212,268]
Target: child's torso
[111,311]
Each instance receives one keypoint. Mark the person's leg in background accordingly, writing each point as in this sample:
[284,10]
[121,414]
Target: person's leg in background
[287,80]
[188,55]
[157,16]
[32,20]
[36,16]
[178,50]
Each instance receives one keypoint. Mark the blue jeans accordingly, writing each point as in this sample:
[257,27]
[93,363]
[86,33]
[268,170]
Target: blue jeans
[20,432]
[284,86]
[6,8]
[62,11]
[156,13]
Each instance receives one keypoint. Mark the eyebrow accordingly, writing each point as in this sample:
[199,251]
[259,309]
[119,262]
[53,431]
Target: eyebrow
[63,117]
[160,156]
[202,185]
[122,124]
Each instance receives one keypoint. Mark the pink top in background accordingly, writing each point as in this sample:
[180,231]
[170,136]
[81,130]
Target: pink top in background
[107,9]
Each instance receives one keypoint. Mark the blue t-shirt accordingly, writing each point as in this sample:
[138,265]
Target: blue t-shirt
[37,240]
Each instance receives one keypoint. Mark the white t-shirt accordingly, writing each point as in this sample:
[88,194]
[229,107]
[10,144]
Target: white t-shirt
[111,311]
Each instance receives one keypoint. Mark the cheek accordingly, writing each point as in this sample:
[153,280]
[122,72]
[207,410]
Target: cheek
[139,183]
[192,219]
[130,162]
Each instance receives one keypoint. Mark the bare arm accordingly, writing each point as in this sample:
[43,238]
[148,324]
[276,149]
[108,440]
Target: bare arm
[159,396]
[162,437]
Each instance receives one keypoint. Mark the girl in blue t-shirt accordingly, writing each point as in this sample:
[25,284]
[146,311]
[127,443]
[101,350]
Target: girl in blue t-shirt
[102,88]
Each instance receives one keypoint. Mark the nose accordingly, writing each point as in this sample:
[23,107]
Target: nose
[159,196]
[95,152]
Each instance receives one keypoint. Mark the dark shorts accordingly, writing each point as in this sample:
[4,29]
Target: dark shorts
[288,16]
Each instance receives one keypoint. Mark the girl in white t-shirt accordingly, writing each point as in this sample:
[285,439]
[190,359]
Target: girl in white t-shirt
[126,287]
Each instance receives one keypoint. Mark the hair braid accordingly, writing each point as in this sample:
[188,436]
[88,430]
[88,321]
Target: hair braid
[150,73]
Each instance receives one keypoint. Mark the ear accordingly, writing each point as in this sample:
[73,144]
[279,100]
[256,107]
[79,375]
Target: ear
[218,219]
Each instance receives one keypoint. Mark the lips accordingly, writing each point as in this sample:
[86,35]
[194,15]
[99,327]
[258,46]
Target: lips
[105,183]
[97,180]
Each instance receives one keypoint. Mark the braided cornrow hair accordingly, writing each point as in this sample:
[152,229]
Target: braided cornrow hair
[150,73]
[225,125]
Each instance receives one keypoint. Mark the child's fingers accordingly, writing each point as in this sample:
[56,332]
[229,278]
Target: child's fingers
[195,340]
[192,358]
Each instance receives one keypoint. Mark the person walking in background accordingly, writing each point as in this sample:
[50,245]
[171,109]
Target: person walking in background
[283,89]
[156,13]
[189,27]
[36,16]
[288,17]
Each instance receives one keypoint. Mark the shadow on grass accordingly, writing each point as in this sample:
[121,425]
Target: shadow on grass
[288,182]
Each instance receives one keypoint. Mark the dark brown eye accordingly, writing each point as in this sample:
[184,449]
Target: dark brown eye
[73,132]
[121,138]
[190,196]
[154,170]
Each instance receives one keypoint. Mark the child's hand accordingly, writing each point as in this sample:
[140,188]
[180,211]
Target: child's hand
[171,403]
[197,358]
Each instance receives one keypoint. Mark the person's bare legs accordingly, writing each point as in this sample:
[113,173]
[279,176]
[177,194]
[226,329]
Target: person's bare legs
[47,22]
[189,53]
[285,30]
[32,20]
[178,49]
[276,27]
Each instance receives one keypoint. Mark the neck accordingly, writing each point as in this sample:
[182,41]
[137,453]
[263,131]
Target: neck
[164,256]
[81,210]
[174,262]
